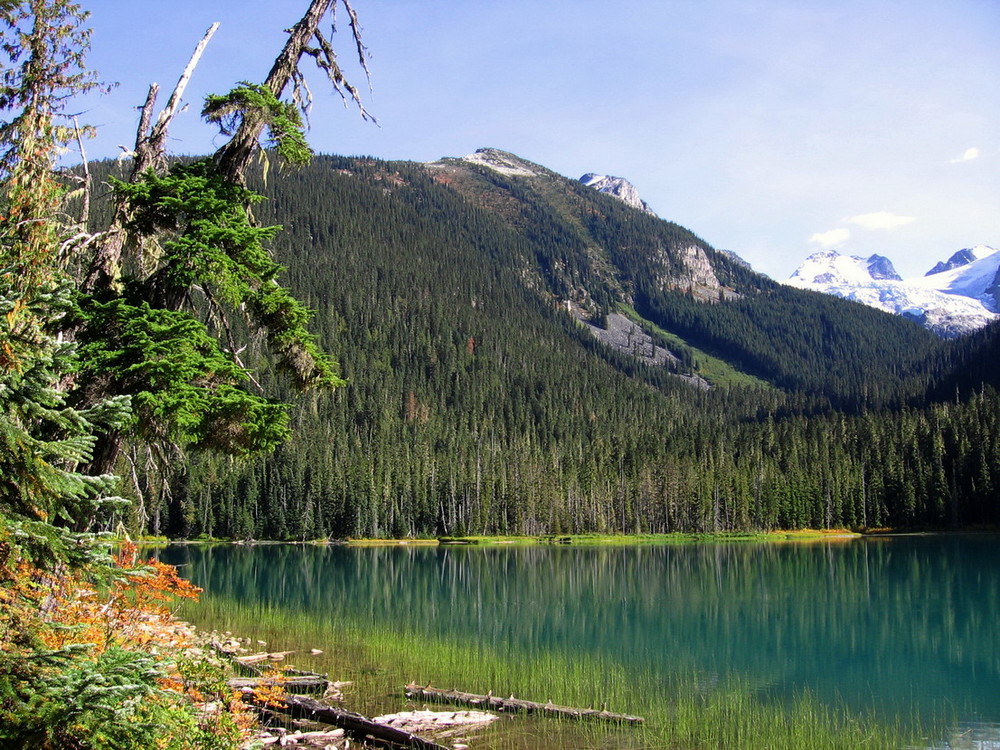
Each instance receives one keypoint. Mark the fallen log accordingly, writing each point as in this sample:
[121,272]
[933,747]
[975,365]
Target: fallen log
[291,683]
[303,739]
[355,725]
[291,680]
[258,658]
[512,704]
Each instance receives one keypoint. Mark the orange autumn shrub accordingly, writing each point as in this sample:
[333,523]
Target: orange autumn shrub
[71,641]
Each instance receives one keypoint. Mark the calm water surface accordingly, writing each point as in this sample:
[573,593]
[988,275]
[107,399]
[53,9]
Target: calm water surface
[899,625]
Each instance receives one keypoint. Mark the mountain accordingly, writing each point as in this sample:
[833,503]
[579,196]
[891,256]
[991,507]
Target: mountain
[597,255]
[618,187]
[732,255]
[970,366]
[953,299]
[961,258]
[830,267]
[976,275]
[525,354]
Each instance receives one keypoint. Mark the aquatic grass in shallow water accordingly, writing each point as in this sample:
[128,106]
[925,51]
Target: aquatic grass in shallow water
[684,710]
[714,643]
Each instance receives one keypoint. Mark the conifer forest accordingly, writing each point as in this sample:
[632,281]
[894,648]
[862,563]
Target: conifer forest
[476,403]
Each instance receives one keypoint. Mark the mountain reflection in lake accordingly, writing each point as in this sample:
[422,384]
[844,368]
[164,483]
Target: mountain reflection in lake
[895,624]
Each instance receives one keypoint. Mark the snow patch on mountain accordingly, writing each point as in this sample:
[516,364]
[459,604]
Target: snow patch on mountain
[950,302]
[618,187]
[978,278]
[501,161]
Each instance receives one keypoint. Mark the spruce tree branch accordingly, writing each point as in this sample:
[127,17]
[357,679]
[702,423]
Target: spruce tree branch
[219,317]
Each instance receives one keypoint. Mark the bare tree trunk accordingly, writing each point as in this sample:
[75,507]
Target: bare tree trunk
[512,704]
[357,726]
[150,153]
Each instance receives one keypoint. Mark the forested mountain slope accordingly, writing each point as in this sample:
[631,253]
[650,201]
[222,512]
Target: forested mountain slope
[601,254]
[477,402]
[969,365]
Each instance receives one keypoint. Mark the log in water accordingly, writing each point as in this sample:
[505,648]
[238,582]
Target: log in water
[512,704]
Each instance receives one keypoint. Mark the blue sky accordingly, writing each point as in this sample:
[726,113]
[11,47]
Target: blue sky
[772,128]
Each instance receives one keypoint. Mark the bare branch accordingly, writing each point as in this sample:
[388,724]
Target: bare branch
[150,152]
[356,34]
[158,134]
[85,202]
[326,59]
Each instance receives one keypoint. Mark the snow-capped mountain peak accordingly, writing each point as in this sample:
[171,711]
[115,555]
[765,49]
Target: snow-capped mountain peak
[961,258]
[951,302]
[618,187]
[881,267]
[831,267]
[978,278]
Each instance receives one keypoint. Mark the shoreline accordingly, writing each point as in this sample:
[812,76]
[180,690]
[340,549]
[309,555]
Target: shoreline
[592,539]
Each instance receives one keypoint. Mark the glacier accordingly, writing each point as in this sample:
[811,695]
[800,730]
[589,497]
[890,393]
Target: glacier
[955,298]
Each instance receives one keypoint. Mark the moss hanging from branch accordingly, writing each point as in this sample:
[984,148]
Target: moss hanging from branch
[282,120]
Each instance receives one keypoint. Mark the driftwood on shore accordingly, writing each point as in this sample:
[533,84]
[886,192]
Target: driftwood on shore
[264,656]
[512,704]
[355,725]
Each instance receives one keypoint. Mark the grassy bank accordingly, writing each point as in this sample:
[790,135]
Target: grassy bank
[801,535]
[591,539]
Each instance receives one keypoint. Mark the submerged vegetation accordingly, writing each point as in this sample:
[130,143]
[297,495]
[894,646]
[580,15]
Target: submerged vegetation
[684,712]
[305,598]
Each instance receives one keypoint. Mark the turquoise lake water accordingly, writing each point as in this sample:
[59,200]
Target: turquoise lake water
[900,625]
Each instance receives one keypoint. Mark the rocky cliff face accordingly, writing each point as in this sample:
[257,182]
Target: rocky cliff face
[880,268]
[699,272]
[618,187]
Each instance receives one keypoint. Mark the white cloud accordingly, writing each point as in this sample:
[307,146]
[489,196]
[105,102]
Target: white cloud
[880,220]
[968,155]
[832,238]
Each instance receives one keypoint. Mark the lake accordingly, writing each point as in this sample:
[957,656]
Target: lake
[893,629]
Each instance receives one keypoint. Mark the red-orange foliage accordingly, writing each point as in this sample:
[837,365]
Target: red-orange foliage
[134,612]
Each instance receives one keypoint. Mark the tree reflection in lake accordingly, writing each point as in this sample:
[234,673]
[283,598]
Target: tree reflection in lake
[900,624]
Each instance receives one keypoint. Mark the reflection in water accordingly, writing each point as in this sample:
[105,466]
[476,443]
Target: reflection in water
[897,624]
